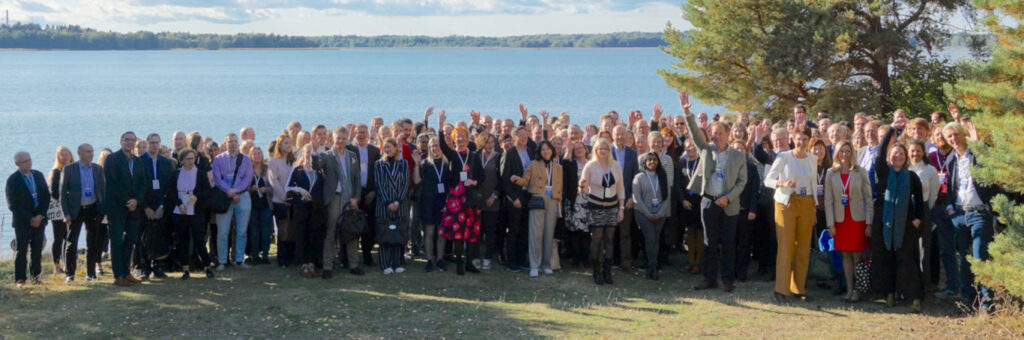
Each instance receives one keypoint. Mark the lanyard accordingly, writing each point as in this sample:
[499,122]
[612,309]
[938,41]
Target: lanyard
[820,175]
[30,183]
[605,173]
[549,174]
[653,186]
[438,172]
[483,162]
[942,162]
[846,183]
[463,160]
[689,170]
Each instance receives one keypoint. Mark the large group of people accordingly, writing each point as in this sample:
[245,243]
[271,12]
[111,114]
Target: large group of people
[896,199]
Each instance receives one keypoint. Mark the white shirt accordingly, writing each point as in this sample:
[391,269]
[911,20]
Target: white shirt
[718,178]
[788,167]
[967,194]
[364,165]
[929,181]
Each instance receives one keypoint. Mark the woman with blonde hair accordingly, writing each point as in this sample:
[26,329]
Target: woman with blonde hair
[260,222]
[848,210]
[278,170]
[60,228]
[602,182]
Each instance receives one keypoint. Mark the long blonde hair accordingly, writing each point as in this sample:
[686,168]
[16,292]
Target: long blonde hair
[603,143]
[837,165]
[57,164]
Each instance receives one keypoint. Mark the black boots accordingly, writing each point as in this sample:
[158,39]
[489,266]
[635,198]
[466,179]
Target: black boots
[460,267]
[607,266]
[598,277]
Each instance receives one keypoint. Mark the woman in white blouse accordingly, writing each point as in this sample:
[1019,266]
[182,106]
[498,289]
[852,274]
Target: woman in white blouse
[793,177]
[188,187]
[930,191]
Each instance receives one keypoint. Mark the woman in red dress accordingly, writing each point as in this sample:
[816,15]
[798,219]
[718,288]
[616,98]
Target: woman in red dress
[459,222]
[848,210]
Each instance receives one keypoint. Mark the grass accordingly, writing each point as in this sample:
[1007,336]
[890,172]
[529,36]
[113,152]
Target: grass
[267,301]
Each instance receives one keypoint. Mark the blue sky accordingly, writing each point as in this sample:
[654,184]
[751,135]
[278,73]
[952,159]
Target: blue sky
[361,17]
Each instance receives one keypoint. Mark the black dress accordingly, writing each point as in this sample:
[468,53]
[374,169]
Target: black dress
[896,270]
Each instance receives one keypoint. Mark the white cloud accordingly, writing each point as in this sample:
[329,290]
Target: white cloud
[364,17]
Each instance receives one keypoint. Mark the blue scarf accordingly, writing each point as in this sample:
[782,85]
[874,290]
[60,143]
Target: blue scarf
[894,211]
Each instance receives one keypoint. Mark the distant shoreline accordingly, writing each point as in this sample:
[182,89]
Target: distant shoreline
[329,48]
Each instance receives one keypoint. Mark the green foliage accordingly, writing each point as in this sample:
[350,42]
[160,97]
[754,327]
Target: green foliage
[996,91]
[919,86]
[34,36]
[765,56]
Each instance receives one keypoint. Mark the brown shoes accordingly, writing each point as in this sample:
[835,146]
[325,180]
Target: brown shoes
[132,279]
[122,282]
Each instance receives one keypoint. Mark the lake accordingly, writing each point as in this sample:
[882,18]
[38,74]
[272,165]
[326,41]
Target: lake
[52,98]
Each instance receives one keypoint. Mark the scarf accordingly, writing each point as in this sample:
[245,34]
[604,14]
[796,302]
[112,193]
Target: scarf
[894,210]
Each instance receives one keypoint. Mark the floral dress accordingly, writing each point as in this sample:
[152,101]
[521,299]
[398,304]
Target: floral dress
[459,222]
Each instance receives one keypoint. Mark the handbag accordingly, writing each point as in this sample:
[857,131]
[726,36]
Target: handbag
[535,202]
[862,276]
[54,212]
[475,199]
[351,224]
[219,202]
[155,239]
[392,233]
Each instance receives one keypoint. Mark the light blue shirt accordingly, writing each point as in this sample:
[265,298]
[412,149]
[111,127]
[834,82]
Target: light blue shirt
[88,184]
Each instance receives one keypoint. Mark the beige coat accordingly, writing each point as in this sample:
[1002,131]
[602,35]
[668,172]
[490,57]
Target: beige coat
[861,206]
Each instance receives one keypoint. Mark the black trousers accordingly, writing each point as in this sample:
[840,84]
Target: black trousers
[143,261]
[190,233]
[89,216]
[763,241]
[97,239]
[369,238]
[720,239]
[897,270]
[744,239]
[515,245]
[60,236]
[28,239]
[490,226]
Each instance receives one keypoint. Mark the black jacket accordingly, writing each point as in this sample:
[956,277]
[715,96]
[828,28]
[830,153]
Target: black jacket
[19,199]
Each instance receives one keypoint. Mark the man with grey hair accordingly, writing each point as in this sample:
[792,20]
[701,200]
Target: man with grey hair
[247,134]
[342,190]
[28,199]
[81,187]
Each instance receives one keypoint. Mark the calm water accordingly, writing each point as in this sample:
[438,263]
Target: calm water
[67,98]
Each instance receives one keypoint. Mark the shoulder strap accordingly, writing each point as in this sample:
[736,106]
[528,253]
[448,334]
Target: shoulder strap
[238,164]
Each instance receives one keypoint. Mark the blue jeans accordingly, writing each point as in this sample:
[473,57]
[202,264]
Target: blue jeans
[973,231]
[947,246]
[260,223]
[240,211]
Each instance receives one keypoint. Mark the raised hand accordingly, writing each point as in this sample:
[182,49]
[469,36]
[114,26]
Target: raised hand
[544,115]
[684,102]
[635,116]
[954,111]
[972,131]
[657,112]
[475,116]
[430,111]
[441,117]
[522,110]
[899,123]
[417,156]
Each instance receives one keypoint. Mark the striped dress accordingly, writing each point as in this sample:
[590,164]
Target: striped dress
[391,186]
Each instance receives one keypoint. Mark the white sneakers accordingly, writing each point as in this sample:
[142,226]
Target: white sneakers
[400,270]
[486,264]
[533,273]
[547,271]
[476,263]
[388,271]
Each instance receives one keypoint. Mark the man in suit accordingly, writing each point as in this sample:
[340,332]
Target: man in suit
[126,188]
[367,155]
[719,179]
[82,190]
[159,169]
[627,159]
[342,190]
[514,163]
[28,199]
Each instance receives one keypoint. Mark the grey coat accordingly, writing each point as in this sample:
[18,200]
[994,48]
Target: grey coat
[643,194]
[735,169]
[350,187]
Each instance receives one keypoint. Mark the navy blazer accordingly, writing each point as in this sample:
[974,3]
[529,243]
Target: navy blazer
[629,167]
[123,185]
[748,198]
[19,199]
[164,168]
[71,187]
[985,192]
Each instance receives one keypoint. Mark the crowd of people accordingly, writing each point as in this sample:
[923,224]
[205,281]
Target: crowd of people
[897,200]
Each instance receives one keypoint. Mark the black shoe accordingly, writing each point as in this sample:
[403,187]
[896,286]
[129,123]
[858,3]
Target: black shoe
[705,285]
[326,274]
[440,265]
[781,299]
[184,276]
[728,287]
[471,268]
[429,267]
[460,267]
[368,260]
[654,274]
[598,277]
[606,272]
[159,273]
[209,273]
[357,271]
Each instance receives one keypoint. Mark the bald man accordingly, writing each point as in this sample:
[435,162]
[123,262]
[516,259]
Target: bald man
[81,189]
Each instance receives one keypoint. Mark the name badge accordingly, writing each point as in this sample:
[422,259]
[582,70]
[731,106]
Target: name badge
[392,227]
[463,176]
[720,174]
[35,197]
[821,190]
[655,203]
[803,191]
[547,191]
[846,200]
[942,178]
[87,192]
[231,181]
[156,184]
[440,188]
[691,192]
[362,167]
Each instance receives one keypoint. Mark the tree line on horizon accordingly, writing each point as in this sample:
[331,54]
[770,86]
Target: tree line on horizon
[74,37]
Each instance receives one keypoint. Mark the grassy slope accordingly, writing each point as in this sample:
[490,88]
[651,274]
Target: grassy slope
[269,301]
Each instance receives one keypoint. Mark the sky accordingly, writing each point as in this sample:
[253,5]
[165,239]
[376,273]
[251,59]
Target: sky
[359,17]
